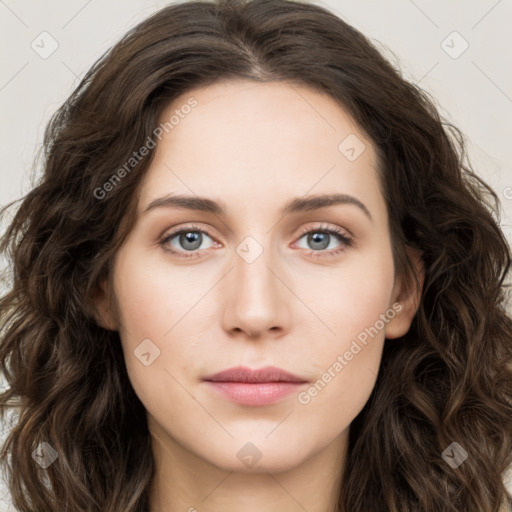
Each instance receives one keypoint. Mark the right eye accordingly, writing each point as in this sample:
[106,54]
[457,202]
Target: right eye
[188,240]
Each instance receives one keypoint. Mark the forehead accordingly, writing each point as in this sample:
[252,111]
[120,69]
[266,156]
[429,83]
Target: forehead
[261,142]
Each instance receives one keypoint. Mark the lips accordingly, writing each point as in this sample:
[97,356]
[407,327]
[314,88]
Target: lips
[247,375]
[254,387]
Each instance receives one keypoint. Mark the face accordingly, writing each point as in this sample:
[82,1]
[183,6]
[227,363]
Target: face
[309,289]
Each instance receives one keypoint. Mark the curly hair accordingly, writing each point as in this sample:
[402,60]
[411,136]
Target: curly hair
[449,379]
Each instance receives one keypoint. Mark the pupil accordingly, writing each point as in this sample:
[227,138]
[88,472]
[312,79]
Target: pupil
[191,238]
[320,238]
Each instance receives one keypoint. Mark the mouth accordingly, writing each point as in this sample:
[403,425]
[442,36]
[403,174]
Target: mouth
[255,387]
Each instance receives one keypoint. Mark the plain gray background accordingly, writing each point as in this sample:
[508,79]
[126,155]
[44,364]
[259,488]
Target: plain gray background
[460,51]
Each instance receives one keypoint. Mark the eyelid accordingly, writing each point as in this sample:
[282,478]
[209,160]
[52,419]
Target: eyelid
[303,230]
[347,239]
[326,227]
[187,227]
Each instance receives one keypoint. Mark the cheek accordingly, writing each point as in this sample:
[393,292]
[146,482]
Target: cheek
[346,358]
[144,305]
[152,297]
[345,369]
[352,298]
[161,307]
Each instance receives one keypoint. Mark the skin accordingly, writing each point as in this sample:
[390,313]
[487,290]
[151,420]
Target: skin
[253,147]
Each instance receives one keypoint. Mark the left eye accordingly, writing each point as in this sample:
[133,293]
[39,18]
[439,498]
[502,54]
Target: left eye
[320,240]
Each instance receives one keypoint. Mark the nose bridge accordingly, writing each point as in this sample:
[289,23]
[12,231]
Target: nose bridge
[254,281]
[255,301]
[251,268]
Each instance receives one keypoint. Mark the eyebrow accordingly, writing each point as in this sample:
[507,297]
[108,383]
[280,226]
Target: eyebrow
[299,204]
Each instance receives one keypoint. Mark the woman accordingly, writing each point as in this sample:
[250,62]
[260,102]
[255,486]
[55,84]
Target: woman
[174,339]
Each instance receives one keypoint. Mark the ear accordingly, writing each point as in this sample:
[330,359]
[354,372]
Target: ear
[102,311]
[408,298]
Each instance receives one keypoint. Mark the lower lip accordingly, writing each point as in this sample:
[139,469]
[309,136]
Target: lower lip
[256,393]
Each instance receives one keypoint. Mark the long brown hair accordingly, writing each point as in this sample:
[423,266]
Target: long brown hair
[449,379]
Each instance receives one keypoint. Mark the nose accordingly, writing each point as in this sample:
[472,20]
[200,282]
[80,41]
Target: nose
[257,300]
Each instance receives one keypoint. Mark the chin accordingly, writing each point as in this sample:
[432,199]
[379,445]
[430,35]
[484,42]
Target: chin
[246,456]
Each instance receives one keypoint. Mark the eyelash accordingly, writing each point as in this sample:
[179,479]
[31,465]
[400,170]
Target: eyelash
[345,240]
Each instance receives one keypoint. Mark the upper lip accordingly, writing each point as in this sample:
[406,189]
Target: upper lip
[245,374]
